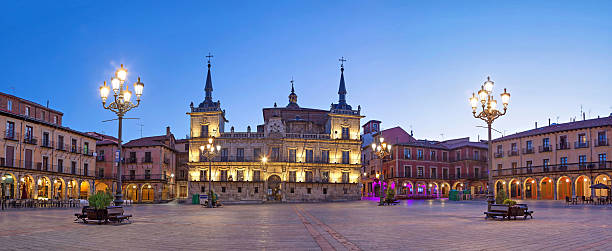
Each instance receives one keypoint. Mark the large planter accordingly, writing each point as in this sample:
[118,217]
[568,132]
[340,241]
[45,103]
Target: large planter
[517,211]
[97,214]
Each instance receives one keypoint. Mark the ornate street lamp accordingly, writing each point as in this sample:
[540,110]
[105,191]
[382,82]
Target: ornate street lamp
[120,104]
[209,152]
[382,150]
[489,113]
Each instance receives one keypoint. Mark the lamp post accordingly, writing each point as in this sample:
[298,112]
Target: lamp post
[382,150]
[489,113]
[210,151]
[120,105]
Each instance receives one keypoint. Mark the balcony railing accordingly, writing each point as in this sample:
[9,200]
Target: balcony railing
[40,166]
[579,144]
[11,135]
[317,160]
[601,142]
[513,153]
[528,150]
[545,149]
[146,160]
[570,167]
[563,146]
[30,140]
[141,177]
[498,154]
[46,143]
[480,175]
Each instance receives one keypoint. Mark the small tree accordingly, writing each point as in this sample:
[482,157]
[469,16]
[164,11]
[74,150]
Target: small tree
[100,200]
[390,195]
[501,197]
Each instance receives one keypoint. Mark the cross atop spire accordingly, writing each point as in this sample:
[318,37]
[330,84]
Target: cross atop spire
[292,91]
[342,60]
[208,58]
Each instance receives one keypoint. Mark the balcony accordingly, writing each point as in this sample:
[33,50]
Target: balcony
[46,143]
[88,152]
[30,140]
[130,160]
[543,149]
[143,177]
[528,150]
[563,146]
[513,153]
[545,169]
[602,142]
[498,155]
[145,160]
[11,135]
[100,158]
[579,144]
[61,147]
[75,149]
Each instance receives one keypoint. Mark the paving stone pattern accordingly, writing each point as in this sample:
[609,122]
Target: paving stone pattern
[359,225]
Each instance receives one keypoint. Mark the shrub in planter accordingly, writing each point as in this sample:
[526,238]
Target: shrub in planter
[501,197]
[98,204]
[390,195]
[509,202]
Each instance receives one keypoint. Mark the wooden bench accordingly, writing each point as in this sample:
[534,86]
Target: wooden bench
[115,214]
[82,215]
[498,210]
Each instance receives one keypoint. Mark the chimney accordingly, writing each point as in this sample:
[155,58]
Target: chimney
[583,116]
[548,121]
[412,134]
[167,130]
[536,125]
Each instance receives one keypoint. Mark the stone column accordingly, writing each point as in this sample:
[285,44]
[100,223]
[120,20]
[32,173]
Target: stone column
[139,192]
[573,190]
[538,190]
[554,191]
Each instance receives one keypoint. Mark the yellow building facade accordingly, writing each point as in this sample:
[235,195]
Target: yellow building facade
[297,154]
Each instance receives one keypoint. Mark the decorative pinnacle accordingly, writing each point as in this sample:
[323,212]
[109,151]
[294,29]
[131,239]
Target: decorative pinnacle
[342,60]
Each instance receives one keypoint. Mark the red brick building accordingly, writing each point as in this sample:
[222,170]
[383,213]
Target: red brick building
[424,168]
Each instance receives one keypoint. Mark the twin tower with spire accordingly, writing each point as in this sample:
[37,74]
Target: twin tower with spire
[341,107]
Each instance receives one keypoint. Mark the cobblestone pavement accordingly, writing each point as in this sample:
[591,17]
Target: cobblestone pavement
[412,225]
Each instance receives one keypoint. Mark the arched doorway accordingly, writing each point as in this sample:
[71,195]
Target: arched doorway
[101,187]
[564,188]
[602,179]
[44,188]
[531,189]
[84,192]
[58,188]
[445,189]
[148,193]
[8,186]
[477,187]
[26,187]
[583,186]
[515,189]
[73,189]
[131,192]
[274,186]
[546,189]
[432,189]
[500,187]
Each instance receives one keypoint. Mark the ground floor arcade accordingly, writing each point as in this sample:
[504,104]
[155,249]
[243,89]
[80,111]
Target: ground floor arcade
[413,187]
[32,184]
[554,187]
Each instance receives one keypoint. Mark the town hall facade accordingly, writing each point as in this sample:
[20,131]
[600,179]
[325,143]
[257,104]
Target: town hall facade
[297,154]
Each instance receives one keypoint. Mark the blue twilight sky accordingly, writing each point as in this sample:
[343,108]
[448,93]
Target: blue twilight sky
[412,64]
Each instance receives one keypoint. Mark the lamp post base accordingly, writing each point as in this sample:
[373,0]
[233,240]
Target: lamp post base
[490,201]
[118,199]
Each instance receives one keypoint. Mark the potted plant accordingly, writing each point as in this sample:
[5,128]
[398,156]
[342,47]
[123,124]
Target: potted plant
[98,204]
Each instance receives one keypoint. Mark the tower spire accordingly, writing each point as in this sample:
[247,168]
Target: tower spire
[292,97]
[208,88]
[342,89]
